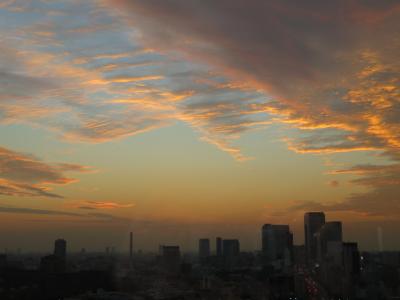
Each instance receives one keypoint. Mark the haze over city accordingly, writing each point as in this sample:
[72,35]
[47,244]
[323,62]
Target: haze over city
[183,119]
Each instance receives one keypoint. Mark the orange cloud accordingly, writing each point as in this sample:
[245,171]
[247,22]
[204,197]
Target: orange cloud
[102,205]
[25,175]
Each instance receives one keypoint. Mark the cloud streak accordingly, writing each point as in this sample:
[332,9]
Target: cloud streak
[25,175]
[103,205]
[46,212]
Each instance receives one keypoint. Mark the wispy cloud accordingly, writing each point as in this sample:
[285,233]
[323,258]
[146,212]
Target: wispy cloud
[106,91]
[25,175]
[35,211]
[102,205]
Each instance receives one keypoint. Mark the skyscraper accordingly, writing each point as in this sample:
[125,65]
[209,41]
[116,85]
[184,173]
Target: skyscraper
[171,257]
[277,244]
[55,263]
[313,221]
[231,248]
[329,235]
[130,250]
[218,246]
[351,267]
[130,246]
[60,248]
[351,259]
[204,248]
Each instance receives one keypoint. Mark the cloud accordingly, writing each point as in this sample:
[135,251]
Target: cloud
[318,67]
[332,70]
[35,211]
[324,70]
[103,205]
[11,188]
[25,175]
[380,203]
[380,200]
[299,65]
[108,91]
[334,183]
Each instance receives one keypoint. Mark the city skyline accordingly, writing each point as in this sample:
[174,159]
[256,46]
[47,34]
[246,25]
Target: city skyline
[177,120]
[271,234]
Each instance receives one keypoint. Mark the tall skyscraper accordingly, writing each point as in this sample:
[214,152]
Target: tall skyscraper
[330,234]
[277,244]
[60,248]
[313,221]
[204,248]
[130,246]
[55,263]
[351,268]
[218,246]
[230,248]
[171,257]
[351,259]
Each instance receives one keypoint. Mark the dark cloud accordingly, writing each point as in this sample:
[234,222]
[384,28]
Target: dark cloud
[11,188]
[382,202]
[329,65]
[23,210]
[87,207]
[332,69]
[375,175]
[381,199]
[25,175]
[34,211]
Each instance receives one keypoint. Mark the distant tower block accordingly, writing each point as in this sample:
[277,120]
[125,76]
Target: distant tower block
[313,221]
[204,248]
[130,246]
[380,239]
[60,248]
[219,246]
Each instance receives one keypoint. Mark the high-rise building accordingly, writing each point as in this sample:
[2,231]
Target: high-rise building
[351,268]
[204,248]
[277,244]
[60,248]
[55,263]
[130,246]
[351,259]
[52,264]
[230,248]
[330,232]
[218,246]
[3,261]
[171,257]
[313,221]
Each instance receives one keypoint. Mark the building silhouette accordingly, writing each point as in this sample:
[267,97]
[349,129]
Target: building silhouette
[55,263]
[130,249]
[52,264]
[170,257]
[60,248]
[204,248]
[277,245]
[313,221]
[329,240]
[230,248]
[218,241]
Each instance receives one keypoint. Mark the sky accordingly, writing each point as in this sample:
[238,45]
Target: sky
[185,119]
